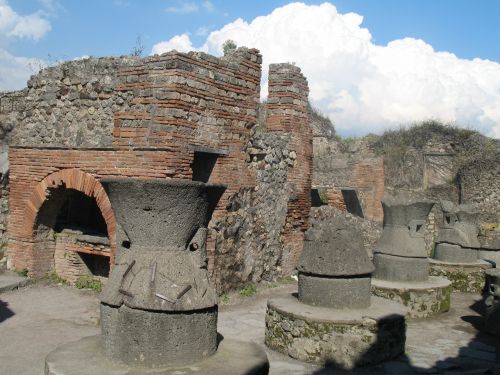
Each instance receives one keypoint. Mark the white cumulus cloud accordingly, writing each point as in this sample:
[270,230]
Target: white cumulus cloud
[13,25]
[181,43]
[362,86]
[15,70]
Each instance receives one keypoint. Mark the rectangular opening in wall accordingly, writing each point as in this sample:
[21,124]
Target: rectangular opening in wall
[316,198]
[98,265]
[203,165]
[351,202]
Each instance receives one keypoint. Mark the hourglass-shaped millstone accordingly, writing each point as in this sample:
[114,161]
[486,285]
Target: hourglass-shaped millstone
[457,238]
[400,253]
[159,307]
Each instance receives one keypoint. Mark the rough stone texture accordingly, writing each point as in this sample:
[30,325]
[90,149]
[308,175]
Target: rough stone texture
[85,357]
[465,277]
[334,248]
[345,338]
[404,219]
[479,181]
[492,302]
[370,230]
[424,299]
[155,339]
[150,118]
[4,209]
[249,240]
[447,252]
[341,165]
[161,214]
[159,306]
[71,105]
[460,225]
[262,236]
[490,243]
[396,268]
[345,293]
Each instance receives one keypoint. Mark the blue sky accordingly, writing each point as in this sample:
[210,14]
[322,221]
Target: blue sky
[468,28]
[388,48]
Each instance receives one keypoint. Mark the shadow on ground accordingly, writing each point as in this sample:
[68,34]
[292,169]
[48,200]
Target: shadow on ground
[480,356]
[5,312]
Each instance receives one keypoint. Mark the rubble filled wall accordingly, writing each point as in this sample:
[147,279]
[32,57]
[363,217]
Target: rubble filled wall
[155,115]
[70,105]
[287,112]
[480,185]
[262,235]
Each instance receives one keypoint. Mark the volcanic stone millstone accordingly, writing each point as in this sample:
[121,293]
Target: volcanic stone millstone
[159,308]
[334,248]
[404,221]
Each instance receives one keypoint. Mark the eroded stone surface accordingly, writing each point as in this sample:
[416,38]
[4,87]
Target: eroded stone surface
[404,219]
[346,338]
[464,277]
[332,247]
[84,357]
[423,299]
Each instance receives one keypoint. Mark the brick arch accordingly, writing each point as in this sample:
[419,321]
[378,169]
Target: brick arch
[70,179]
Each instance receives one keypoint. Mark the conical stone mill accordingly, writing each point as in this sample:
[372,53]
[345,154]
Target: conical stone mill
[401,262]
[333,319]
[159,308]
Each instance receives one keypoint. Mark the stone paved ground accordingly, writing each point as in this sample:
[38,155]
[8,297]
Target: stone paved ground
[36,319]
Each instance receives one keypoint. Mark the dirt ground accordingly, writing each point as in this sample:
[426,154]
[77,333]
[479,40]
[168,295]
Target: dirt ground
[34,320]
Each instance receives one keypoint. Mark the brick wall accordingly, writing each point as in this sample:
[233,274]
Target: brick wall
[287,111]
[166,108]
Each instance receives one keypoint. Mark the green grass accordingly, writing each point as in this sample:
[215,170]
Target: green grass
[22,272]
[88,282]
[248,290]
[55,278]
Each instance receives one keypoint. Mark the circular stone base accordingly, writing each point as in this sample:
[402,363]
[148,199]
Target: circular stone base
[464,277]
[345,337]
[423,298]
[85,357]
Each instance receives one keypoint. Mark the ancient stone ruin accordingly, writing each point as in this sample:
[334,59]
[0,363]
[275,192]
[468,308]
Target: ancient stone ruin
[334,319]
[456,252]
[401,263]
[159,307]
[189,116]
[492,302]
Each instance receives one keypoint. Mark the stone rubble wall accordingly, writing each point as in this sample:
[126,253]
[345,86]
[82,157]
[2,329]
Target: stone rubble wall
[69,105]
[146,118]
[288,112]
[480,185]
[249,239]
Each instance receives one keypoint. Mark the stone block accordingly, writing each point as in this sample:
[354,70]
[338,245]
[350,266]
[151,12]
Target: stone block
[338,293]
[397,268]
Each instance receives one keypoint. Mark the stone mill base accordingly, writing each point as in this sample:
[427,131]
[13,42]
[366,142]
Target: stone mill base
[345,338]
[85,357]
[423,298]
[464,277]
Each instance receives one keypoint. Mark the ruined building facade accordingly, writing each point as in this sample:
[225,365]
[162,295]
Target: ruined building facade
[183,116]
